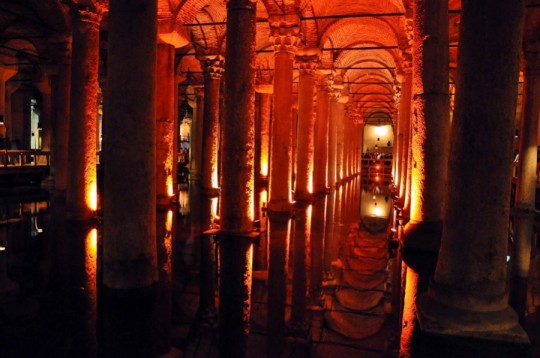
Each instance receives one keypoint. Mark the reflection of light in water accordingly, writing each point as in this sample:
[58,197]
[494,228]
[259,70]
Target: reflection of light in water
[90,261]
[169,222]
[183,202]
[214,210]
[91,196]
[167,241]
[2,248]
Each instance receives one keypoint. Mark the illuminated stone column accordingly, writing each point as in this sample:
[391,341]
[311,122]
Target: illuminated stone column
[332,134]
[166,123]
[307,63]
[430,124]
[320,169]
[285,38]
[195,159]
[213,70]
[237,179]
[468,294]
[265,107]
[5,74]
[330,244]
[320,154]
[81,196]
[404,126]
[340,143]
[262,144]
[196,136]
[61,92]
[129,148]
[526,180]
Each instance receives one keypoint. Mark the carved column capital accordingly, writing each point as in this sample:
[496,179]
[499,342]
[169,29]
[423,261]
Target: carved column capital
[326,80]
[307,63]
[284,34]
[213,66]
[91,16]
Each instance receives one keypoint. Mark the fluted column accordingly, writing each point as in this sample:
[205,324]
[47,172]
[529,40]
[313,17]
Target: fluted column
[307,63]
[129,148]
[468,294]
[81,197]
[430,124]
[285,39]
[237,179]
[166,124]
[213,70]
[526,180]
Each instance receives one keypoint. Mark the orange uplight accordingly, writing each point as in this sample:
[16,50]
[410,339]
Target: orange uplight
[169,221]
[91,196]
[90,259]
[264,165]
[170,190]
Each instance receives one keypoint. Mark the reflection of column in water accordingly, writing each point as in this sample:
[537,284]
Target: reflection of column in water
[317,242]
[83,287]
[534,285]
[164,226]
[329,236]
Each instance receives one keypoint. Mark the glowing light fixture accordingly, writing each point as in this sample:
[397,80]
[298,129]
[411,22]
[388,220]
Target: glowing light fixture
[381,130]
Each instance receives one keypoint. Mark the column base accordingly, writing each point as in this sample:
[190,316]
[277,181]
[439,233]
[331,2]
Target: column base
[422,236]
[436,317]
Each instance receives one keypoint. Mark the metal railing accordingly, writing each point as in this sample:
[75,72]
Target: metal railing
[24,158]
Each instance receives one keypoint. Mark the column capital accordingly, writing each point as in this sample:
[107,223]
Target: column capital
[406,63]
[60,48]
[213,66]
[285,32]
[326,80]
[307,62]
[87,14]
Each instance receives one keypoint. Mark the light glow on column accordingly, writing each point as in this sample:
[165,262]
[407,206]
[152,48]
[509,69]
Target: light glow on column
[91,196]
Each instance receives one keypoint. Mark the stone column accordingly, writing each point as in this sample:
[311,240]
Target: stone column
[5,74]
[330,244]
[340,133]
[237,179]
[404,126]
[524,207]
[468,295]
[213,70]
[265,91]
[81,196]
[195,161]
[430,124]
[45,115]
[129,148]
[332,135]
[285,38]
[320,154]
[307,63]
[61,113]
[166,123]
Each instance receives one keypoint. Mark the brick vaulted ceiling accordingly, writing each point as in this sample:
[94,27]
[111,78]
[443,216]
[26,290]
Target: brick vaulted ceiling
[364,41]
